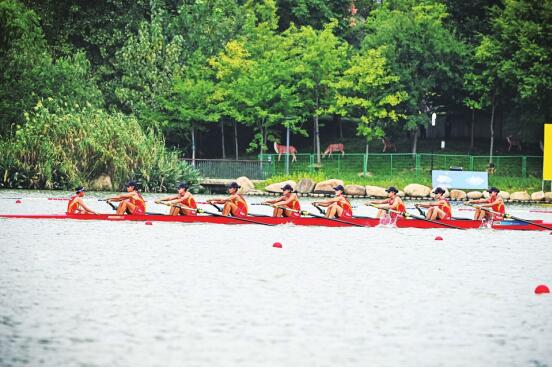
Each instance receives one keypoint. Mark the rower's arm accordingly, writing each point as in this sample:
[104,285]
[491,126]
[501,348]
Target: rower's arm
[121,197]
[480,201]
[326,202]
[168,198]
[86,208]
[275,201]
[283,201]
[491,204]
[219,200]
[375,202]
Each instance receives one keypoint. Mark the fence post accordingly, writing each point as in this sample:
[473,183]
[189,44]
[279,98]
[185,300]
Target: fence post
[365,165]
[338,165]
[311,163]
[418,160]
[391,164]
[471,163]
[524,166]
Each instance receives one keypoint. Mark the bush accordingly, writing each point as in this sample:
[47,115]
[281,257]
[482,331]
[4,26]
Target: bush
[63,146]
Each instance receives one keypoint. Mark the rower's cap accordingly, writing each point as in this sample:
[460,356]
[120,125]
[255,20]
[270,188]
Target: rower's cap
[439,190]
[339,188]
[183,185]
[234,185]
[132,184]
[287,187]
[493,189]
[392,189]
[80,189]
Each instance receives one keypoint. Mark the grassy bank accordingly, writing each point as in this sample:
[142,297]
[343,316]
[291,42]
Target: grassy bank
[510,184]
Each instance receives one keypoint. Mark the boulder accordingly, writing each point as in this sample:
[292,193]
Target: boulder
[548,196]
[102,183]
[447,193]
[375,191]
[417,190]
[486,194]
[457,195]
[305,185]
[504,194]
[246,185]
[537,196]
[520,196]
[327,186]
[355,190]
[277,187]
[474,195]
[400,193]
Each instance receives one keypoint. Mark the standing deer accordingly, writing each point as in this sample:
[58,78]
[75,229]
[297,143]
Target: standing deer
[388,144]
[281,149]
[513,141]
[334,148]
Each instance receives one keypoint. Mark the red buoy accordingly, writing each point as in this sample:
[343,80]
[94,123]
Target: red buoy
[149,223]
[18,201]
[542,288]
[438,238]
[277,245]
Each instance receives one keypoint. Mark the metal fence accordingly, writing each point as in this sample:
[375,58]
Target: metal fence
[379,164]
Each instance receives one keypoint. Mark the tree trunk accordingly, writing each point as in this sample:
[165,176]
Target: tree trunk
[317,141]
[472,131]
[340,128]
[236,139]
[193,146]
[415,141]
[493,108]
[222,138]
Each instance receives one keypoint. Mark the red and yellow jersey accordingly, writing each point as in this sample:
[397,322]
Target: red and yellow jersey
[73,205]
[295,205]
[346,206]
[189,202]
[138,201]
[400,207]
[499,208]
[239,201]
[445,206]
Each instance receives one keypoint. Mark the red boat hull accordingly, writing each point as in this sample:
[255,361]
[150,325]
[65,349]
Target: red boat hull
[303,221]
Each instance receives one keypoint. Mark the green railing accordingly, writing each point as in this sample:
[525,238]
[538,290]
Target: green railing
[395,164]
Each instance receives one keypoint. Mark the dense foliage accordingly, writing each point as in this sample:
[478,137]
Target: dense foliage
[181,70]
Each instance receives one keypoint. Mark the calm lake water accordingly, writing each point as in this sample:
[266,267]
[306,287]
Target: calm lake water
[124,293]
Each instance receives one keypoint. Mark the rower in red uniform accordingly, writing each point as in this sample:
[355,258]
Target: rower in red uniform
[393,202]
[339,206]
[495,202]
[288,200]
[131,202]
[76,204]
[440,208]
[183,198]
[234,204]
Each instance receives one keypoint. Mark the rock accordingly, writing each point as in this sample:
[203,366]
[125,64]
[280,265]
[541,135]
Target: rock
[355,190]
[277,187]
[446,194]
[327,186]
[246,185]
[520,196]
[548,196]
[457,195]
[486,194]
[305,185]
[537,196]
[102,183]
[400,193]
[375,191]
[504,194]
[474,195]
[417,190]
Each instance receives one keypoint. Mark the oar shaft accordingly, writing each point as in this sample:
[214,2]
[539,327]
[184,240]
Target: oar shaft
[217,215]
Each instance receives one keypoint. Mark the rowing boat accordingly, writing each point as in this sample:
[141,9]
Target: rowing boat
[303,221]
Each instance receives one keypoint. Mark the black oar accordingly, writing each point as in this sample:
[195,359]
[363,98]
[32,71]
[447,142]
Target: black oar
[109,203]
[201,211]
[304,212]
[408,215]
[508,216]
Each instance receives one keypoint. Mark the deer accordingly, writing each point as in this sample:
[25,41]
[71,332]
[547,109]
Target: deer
[281,149]
[334,148]
[388,144]
[513,141]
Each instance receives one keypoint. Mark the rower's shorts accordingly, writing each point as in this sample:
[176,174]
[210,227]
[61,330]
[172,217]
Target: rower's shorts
[346,214]
[239,213]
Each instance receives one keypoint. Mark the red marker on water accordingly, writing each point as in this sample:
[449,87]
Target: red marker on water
[278,245]
[438,238]
[542,288]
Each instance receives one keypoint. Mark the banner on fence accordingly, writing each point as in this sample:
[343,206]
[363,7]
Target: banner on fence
[547,162]
[459,179]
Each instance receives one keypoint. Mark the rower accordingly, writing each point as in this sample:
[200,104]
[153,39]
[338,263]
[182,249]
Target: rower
[339,206]
[76,203]
[288,200]
[183,198]
[131,202]
[393,202]
[234,204]
[495,202]
[440,208]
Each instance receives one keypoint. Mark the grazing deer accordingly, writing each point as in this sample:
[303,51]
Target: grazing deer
[334,148]
[388,144]
[281,149]
[513,141]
